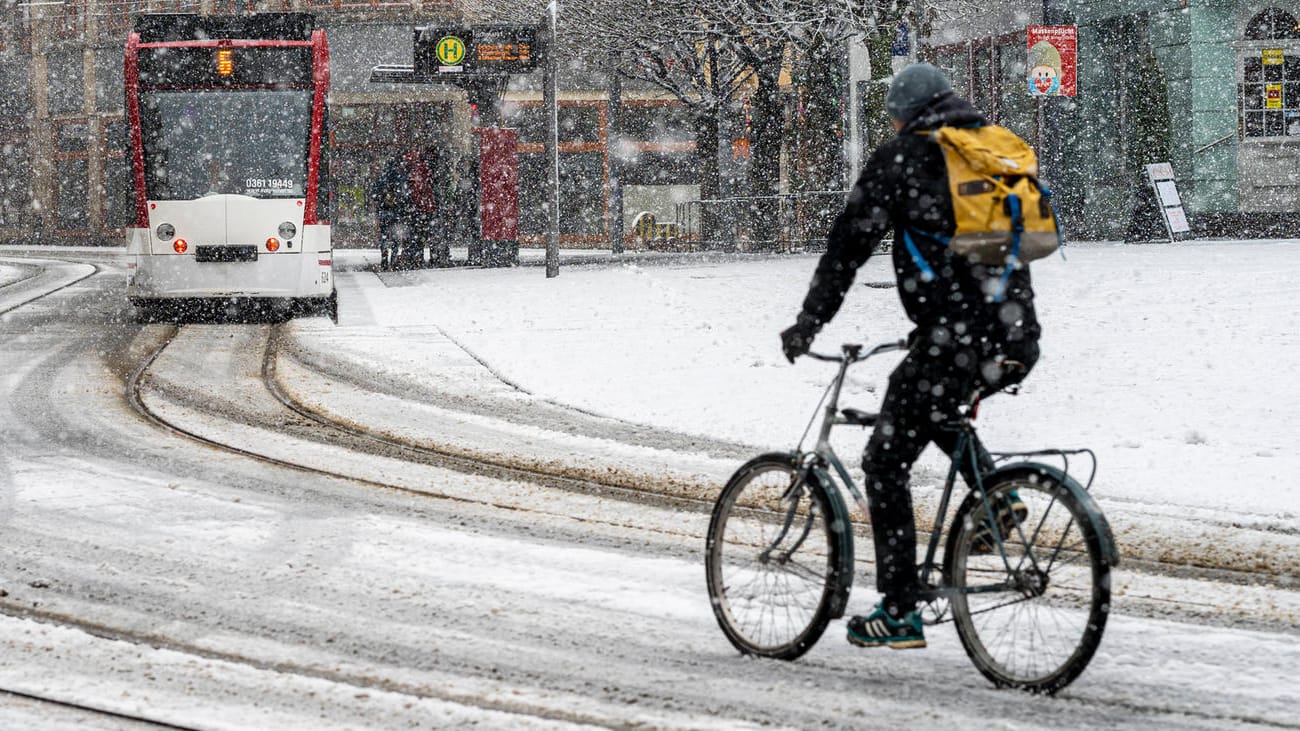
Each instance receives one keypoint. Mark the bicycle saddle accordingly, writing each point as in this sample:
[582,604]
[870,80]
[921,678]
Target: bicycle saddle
[859,417]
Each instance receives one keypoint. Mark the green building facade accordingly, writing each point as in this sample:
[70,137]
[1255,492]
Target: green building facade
[1211,86]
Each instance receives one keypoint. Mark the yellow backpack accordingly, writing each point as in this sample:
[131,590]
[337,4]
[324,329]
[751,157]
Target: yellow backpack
[1004,215]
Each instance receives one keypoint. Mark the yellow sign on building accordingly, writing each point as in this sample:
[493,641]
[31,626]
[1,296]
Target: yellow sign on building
[450,50]
[1272,96]
[1272,57]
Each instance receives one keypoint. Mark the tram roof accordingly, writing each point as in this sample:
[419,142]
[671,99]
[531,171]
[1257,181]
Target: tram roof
[170,27]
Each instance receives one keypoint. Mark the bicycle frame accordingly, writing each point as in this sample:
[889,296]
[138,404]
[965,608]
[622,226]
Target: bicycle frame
[968,449]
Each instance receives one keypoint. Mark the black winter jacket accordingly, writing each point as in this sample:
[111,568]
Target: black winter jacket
[905,185]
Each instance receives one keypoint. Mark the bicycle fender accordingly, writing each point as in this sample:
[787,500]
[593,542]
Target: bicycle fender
[842,529]
[1109,550]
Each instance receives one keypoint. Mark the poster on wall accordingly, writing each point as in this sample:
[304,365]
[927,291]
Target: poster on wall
[1272,96]
[1053,59]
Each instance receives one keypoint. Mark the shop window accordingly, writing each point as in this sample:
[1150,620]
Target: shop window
[659,123]
[1272,24]
[72,137]
[117,193]
[73,195]
[578,123]
[662,168]
[14,189]
[108,80]
[119,15]
[65,82]
[582,194]
[1270,96]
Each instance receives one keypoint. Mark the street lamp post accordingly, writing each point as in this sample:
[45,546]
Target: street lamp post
[551,103]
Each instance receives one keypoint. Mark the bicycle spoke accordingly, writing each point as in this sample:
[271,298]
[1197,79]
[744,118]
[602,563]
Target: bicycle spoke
[1041,631]
[769,563]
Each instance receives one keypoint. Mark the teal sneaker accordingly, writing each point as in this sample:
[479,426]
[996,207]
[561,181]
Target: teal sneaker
[1010,512]
[878,629]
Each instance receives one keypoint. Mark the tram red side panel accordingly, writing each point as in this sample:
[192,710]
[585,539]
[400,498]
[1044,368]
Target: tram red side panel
[321,82]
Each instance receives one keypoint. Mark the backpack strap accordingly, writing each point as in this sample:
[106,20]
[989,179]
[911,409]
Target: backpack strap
[927,272]
[1017,228]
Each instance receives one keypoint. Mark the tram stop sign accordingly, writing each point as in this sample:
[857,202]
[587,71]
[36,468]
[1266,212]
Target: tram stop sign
[483,50]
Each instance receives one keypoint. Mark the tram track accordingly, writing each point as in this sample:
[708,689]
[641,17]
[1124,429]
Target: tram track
[365,441]
[137,386]
[381,671]
[1208,570]
[94,709]
[368,440]
[28,281]
[361,679]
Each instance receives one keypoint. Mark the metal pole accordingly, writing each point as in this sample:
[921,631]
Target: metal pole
[551,103]
[614,110]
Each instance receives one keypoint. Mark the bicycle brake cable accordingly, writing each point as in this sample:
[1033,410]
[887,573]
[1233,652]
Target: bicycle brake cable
[799,447]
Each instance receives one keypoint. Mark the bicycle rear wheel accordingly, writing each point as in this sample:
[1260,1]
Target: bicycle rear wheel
[1035,620]
[772,559]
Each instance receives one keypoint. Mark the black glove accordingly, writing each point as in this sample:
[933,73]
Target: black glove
[797,339]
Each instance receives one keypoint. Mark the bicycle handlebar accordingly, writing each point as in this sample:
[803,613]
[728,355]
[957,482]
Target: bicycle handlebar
[853,352]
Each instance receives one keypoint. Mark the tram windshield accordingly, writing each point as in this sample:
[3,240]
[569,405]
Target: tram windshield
[243,141]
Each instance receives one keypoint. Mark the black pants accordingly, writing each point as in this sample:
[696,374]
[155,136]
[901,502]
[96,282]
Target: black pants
[922,401]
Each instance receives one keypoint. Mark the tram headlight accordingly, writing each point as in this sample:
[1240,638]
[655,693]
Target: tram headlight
[288,230]
[272,244]
[180,247]
[165,231]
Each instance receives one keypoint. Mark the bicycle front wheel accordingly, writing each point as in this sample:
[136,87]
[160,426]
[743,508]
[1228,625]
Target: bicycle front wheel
[772,559]
[1030,612]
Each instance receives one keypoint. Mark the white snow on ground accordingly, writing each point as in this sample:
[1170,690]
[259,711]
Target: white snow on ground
[9,274]
[1171,361]
[688,345]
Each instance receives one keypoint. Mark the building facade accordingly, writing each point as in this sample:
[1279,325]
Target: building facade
[1223,77]
[63,132]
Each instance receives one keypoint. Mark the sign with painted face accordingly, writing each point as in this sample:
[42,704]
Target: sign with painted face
[1053,60]
[1272,96]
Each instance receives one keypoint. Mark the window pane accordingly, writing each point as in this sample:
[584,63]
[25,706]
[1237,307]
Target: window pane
[1254,70]
[662,123]
[72,137]
[108,80]
[73,195]
[957,64]
[1254,126]
[1253,96]
[1273,124]
[65,82]
[579,124]
[529,120]
[14,189]
[119,204]
[1016,111]
[244,142]
[582,193]
[661,168]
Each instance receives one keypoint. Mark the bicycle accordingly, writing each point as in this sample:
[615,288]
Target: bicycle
[1025,573]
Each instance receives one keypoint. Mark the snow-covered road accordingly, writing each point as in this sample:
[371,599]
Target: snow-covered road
[146,575]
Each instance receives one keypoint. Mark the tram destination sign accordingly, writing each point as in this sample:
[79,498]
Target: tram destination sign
[482,50]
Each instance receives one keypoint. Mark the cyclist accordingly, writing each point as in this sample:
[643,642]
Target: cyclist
[963,340]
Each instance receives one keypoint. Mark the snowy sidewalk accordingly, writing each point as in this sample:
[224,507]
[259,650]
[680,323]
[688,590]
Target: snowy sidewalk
[1170,361]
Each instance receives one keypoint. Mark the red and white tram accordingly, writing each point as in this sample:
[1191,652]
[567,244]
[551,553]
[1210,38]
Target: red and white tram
[229,153]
